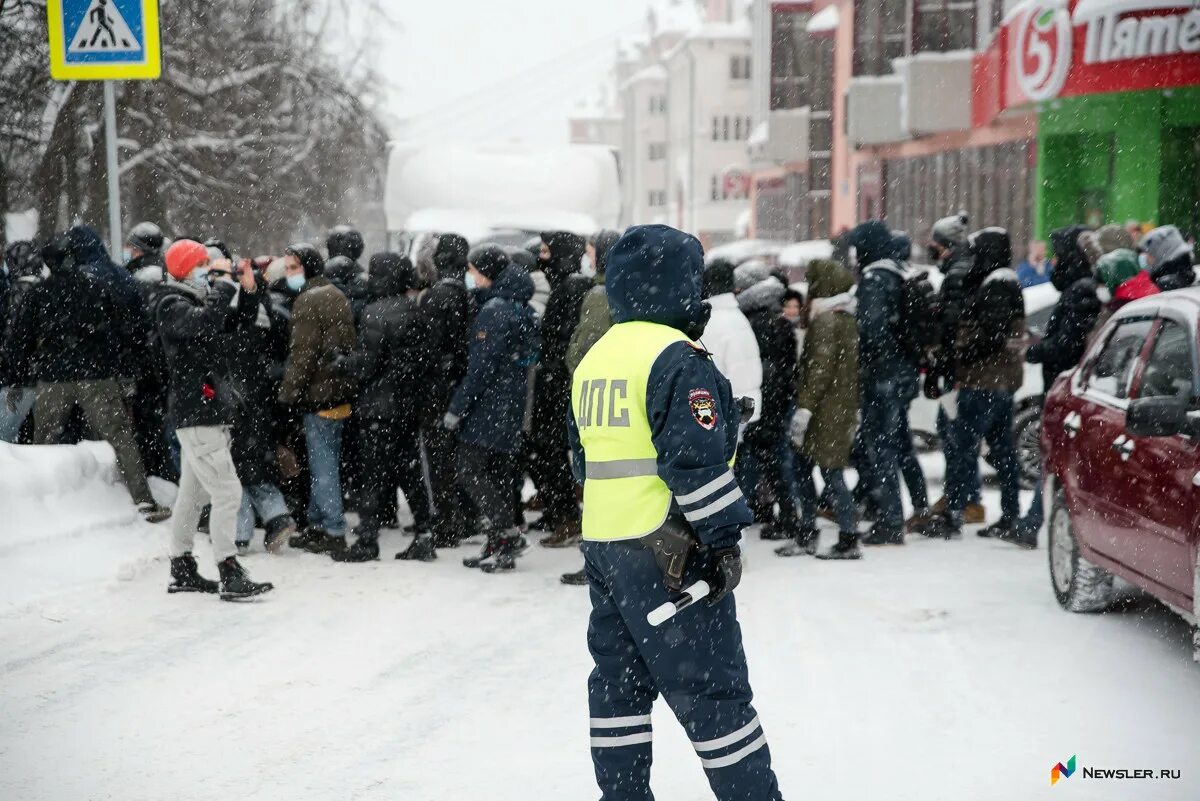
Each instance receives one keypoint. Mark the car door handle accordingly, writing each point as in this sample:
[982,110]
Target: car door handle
[1124,446]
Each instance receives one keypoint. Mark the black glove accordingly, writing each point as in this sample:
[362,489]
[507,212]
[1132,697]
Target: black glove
[933,385]
[725,573]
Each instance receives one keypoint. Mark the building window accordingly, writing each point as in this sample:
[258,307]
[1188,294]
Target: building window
[658,151]
[790,67]
[716,188]
[737,128]
[943,25]
[716,128]
[658,104]
[880,35]
[725,128]
[658,198]
[739,68]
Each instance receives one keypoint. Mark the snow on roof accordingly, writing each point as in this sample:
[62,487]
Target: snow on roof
[478,224]
[824,20]
[799,254]
[654,72]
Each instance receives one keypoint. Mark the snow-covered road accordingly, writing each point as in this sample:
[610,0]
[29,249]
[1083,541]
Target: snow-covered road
[934,671]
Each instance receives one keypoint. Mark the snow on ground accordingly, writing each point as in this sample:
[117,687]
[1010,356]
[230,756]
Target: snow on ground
[941,670]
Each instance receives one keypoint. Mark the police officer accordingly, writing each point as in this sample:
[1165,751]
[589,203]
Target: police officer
[654,429]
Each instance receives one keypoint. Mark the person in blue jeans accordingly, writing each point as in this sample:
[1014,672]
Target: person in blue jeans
[989,359]
[315,383]
[267,500]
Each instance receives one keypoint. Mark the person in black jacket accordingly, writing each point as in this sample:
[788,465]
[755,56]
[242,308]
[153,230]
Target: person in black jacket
[949,250]
[68,340]
[549,463]
[488,409]
[199,322]
[988,370]
[391,367]
[446,307]
[87,250]
[24,262]
[259,352]
[345,274]
[760,297]
[1074,316]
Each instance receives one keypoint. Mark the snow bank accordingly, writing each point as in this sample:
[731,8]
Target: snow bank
[823,21]
[68,521]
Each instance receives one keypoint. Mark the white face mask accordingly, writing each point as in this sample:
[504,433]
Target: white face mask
[1143,262]
[586,265]
[470,282]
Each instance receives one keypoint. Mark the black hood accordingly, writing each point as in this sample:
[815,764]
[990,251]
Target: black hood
[872,241]
[901,246]
[566,254]
[391,275]
[86,247]
[654,275]
[310,259]
[991,250]
[603,243]
[450,256]
[513,284]
[1072,263]
[57,254]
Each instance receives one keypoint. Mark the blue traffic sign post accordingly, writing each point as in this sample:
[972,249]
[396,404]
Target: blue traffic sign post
[105,40]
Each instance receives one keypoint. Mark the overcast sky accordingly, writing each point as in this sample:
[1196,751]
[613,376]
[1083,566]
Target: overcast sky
[501,69]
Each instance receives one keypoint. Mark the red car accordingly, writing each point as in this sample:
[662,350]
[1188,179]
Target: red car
[1121,448]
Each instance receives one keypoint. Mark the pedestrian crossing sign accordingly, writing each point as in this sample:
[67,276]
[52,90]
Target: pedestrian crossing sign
[101,40]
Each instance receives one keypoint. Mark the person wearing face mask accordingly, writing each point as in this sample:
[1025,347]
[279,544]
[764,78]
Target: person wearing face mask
[145,260]
[446,307]
[67,341]
[316,386]
[654,427]
[1168,258]
[549,466]
[199,321]
[487,412]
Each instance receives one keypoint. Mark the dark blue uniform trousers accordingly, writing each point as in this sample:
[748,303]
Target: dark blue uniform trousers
[695,660]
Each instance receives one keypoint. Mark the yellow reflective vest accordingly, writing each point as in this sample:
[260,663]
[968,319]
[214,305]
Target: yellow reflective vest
[623,496]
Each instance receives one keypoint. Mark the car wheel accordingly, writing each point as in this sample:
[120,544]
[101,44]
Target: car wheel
[1027,430]
[1079,585]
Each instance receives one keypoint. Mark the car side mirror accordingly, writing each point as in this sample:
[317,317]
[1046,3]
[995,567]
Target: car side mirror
[1158,417]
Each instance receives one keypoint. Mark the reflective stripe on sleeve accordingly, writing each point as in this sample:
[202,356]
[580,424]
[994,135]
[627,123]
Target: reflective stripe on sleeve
[708,489]
[621,468]
[703,512]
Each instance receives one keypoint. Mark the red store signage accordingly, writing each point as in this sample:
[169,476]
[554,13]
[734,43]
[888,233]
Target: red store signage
[1064,48]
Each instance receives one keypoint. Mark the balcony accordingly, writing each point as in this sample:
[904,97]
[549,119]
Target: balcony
[875,110]
[783,139]
[937,90]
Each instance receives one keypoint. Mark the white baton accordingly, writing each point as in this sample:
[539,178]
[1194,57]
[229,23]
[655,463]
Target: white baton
[697,592]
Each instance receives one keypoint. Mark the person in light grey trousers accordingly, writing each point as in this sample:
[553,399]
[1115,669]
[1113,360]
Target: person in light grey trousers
[205,309]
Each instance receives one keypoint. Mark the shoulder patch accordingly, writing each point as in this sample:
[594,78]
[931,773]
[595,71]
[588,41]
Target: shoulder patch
[704,408]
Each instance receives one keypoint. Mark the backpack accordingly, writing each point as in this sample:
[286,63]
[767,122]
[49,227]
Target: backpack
[917,320]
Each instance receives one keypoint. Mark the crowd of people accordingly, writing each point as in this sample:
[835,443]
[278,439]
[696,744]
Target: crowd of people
[281,393]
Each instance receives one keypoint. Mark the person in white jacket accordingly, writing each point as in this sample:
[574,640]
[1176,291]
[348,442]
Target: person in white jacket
[729,337]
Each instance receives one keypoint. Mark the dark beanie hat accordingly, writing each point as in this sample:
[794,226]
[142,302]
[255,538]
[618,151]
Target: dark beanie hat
[490,260]
[718,278]
[451,252]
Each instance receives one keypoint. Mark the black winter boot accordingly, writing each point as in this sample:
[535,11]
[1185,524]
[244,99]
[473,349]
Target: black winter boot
[846,548]
[364,549]
[236,585]
[881,535]
[575,579]
[421,549]
[803,544]
[511,546]
[187,576]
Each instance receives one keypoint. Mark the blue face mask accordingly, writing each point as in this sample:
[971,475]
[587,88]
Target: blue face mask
[126,255]
[1142,261]
[296,282]
[470,282]
[199,277]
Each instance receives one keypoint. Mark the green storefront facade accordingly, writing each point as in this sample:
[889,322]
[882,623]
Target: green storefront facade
[1119,156]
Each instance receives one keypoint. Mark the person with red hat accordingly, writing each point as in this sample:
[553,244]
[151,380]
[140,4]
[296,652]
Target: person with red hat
[205,306]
